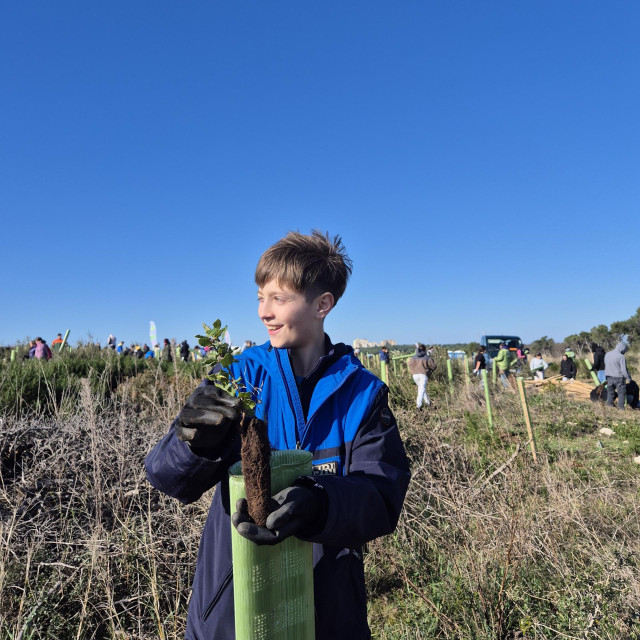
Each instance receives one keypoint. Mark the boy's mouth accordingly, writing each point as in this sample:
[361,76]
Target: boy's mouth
[273,330]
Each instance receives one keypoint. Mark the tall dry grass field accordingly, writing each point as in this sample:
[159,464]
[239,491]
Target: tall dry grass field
[489,545]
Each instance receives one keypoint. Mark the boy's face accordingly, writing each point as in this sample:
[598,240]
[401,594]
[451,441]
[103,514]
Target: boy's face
[292,322]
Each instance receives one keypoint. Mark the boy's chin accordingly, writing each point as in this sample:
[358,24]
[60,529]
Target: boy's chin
[282,343]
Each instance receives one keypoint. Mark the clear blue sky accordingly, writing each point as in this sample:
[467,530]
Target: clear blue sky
[480,159]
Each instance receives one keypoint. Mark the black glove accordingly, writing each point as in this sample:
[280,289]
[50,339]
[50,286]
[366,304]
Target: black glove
[298,510]
[207,417]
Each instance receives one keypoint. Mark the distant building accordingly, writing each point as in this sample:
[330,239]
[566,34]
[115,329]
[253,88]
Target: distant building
[361,343]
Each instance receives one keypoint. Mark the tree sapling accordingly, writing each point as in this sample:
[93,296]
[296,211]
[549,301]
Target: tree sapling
[255,450]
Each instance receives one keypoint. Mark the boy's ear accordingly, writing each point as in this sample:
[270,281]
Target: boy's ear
[325,303]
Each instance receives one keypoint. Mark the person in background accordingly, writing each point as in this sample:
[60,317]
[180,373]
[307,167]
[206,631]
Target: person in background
[149,354]
[246,345]
[167,356]
[184,351]
[120,347]
[538,366]
[42,350]
[32,351]
[615,368]
[480,361]
[568,368]
[111,342]
[57,343]
[598,361]
[503,362]
[420,365]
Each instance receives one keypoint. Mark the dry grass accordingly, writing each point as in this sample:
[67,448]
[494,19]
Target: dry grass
[490,545]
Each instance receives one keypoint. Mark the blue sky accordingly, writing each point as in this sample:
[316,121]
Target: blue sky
[480,160]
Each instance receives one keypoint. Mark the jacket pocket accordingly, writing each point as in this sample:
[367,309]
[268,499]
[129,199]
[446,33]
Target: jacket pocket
[221,589]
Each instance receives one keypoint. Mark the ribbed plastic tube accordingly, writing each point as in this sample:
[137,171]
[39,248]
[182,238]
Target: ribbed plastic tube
[273,586]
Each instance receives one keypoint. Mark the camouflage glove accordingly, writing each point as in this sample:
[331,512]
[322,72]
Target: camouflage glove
[207,417]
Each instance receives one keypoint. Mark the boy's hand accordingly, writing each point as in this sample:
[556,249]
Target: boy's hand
[296,510]
[207,417]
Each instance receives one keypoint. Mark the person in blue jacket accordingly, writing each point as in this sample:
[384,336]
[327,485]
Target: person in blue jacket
[313,395]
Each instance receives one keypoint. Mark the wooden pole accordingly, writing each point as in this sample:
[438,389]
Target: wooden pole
[466,369]
[487,397]
[527,417]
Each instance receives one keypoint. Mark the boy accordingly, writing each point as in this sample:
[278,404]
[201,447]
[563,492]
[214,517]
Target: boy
[314,395]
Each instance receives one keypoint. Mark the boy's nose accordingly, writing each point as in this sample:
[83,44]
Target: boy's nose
[264,311]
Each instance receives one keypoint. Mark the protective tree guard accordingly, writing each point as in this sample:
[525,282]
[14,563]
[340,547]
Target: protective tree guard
[449,371]
[594,375]
[64,340]
[487,397]
[383,372]
[273,585]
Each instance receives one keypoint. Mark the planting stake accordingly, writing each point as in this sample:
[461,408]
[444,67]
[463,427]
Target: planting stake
[466,369]
[449,371]
[487,397]
[594,375]
[527,417]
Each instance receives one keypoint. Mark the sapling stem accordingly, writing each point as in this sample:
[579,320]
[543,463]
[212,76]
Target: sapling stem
[255,449]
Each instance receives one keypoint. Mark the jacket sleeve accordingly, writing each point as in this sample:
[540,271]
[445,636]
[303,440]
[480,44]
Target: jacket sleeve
[174,469]
[366,503]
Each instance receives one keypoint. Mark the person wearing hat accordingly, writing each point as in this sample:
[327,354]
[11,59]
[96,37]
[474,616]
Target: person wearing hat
[538,366]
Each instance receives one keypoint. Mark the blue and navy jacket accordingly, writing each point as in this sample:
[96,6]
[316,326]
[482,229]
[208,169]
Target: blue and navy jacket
[358,458]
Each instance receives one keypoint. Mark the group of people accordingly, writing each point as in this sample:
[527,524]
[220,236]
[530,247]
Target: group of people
[610,367]
[40,350]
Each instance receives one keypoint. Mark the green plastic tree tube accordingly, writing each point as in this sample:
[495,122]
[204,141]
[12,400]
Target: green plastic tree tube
[383,372]
[493,371]
[13,355]
[449,371]
[594,375]
[273,586]
[64,340]
[487,397]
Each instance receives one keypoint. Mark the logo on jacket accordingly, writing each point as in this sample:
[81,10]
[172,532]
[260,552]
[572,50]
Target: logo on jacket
[325,469]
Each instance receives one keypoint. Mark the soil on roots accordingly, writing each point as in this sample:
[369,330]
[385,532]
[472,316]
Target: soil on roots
[256,453]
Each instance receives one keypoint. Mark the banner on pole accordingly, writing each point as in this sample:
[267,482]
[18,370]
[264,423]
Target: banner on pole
[152,333]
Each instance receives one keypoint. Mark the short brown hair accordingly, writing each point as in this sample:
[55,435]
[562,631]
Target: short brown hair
[309,264]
